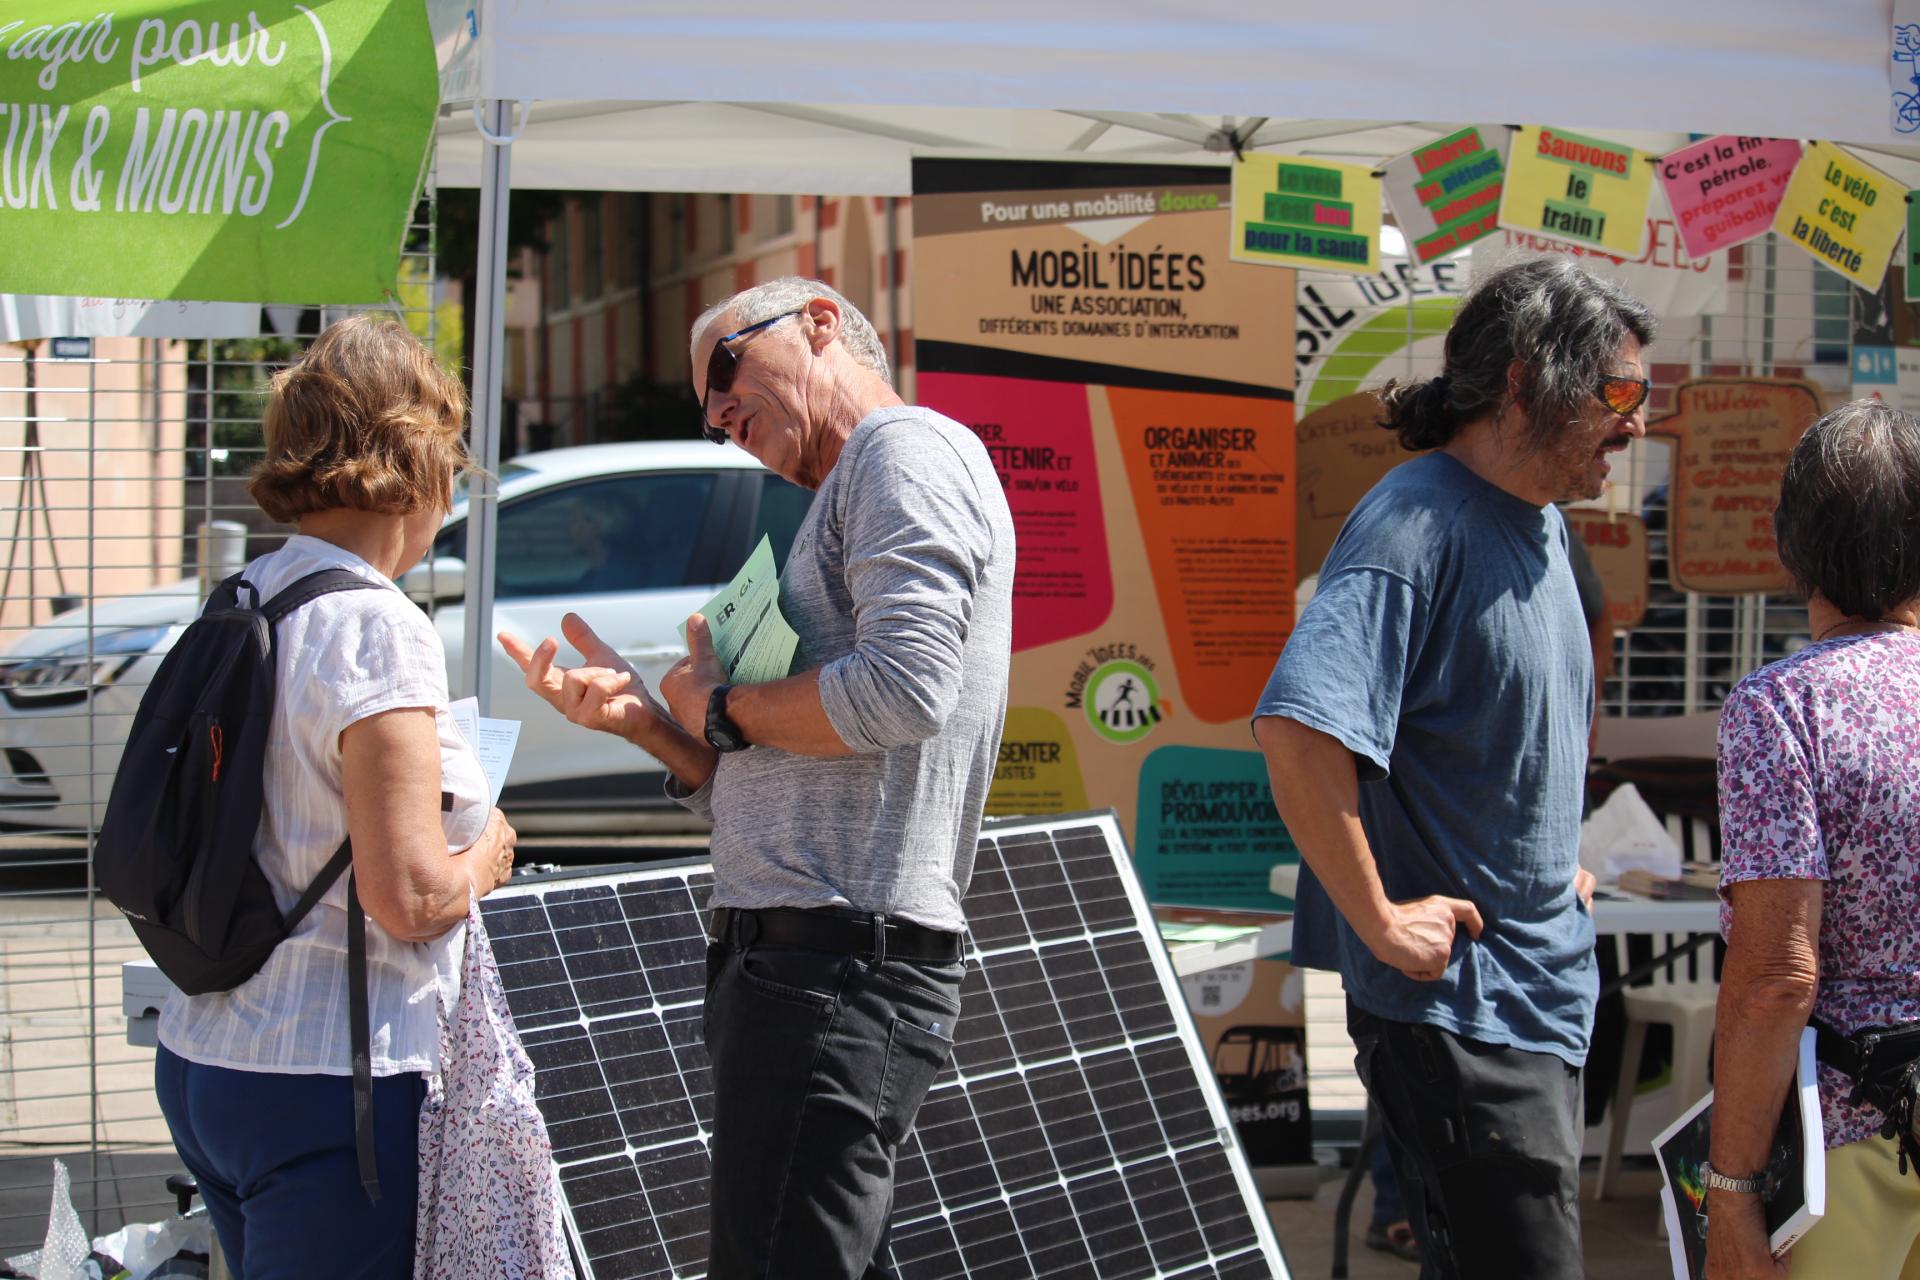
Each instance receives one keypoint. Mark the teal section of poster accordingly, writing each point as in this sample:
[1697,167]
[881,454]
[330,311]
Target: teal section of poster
[1207,834]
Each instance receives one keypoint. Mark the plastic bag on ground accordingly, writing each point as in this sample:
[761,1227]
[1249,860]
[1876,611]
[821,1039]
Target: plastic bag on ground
[64,1254]
[176,1247]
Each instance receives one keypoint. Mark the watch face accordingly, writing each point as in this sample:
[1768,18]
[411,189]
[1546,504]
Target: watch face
[722,733]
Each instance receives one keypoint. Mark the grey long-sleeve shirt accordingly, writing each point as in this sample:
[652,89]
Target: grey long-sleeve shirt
[900,585]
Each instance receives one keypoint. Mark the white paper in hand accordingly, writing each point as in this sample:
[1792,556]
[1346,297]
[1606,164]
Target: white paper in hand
[492,740]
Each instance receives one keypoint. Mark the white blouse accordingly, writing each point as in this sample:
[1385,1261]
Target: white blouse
[338,660]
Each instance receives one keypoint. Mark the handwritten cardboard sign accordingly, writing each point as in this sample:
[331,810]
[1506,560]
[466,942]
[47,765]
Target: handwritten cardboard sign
[1340,452]
[1617,545]
[1731,438]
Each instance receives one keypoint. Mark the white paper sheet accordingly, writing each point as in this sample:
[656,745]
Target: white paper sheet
[493,740]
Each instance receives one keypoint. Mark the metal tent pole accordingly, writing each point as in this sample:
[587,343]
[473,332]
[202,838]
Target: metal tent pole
[489,352]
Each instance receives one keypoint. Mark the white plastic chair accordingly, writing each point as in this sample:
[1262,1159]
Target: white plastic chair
[1684,1003]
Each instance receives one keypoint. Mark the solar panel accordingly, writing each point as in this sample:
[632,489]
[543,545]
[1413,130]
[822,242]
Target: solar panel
[1077,1131]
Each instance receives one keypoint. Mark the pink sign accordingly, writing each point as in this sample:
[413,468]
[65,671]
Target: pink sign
[1724,191]
[1040,437]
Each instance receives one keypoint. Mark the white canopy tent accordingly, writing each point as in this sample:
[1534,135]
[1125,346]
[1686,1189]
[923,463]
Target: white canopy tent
[839,96]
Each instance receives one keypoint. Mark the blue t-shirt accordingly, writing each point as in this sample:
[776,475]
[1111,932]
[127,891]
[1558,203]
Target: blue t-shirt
[1446,649]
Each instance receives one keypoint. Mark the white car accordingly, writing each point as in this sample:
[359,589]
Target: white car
[633,537]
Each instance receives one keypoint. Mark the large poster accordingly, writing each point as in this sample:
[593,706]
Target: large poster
[1134,387]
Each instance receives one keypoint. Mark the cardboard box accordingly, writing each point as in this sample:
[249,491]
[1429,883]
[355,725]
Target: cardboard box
[1251,1018]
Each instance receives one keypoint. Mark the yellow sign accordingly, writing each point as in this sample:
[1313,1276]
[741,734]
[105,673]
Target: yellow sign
[1306,213]
[1845,213]
[1568,186]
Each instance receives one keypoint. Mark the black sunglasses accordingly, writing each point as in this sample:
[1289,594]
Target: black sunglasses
[722,364]
[1623,395]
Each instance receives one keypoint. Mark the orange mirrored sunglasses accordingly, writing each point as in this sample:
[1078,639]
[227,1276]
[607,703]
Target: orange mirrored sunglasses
[1624,395]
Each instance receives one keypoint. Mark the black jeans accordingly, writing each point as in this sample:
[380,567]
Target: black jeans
[820,1063]
[1487,1146]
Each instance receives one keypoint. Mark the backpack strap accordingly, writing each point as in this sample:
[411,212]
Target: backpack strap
[358,1021]
[341,860]
[304,591]
[311,587]
[226,594]
[362,1042]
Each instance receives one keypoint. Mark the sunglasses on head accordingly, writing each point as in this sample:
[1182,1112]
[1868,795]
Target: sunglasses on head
[1624,395]
[722,364]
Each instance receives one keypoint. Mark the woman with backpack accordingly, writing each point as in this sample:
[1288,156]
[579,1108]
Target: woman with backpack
[363,444]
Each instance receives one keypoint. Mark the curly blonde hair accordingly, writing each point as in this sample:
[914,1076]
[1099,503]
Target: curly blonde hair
[366,420]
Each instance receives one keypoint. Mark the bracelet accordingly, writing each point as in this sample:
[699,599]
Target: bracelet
[1717,1181]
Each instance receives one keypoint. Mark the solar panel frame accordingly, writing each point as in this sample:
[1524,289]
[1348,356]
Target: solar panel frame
[1053,1187]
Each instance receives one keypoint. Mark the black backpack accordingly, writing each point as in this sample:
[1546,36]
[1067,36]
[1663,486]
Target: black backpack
[175,849]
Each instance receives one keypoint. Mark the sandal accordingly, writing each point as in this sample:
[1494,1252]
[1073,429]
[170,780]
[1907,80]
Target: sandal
[1396,1238]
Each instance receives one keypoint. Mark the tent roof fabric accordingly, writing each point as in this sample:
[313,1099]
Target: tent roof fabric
[651,97]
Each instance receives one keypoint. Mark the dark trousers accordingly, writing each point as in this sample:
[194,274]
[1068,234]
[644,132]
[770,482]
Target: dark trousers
[1486,1142]
[274,1157]
[820,1063]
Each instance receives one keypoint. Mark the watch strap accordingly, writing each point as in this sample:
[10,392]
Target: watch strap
[1717,1181]
[722,734]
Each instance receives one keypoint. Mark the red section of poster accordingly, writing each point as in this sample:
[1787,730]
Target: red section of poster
[1040,437]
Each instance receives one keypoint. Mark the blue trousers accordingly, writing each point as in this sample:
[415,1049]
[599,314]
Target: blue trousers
[274,1156]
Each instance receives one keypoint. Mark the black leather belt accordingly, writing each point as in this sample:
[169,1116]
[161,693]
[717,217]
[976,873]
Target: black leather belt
[837,930]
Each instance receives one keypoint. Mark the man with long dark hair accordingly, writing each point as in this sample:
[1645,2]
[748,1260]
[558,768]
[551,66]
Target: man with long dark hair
[1426,733]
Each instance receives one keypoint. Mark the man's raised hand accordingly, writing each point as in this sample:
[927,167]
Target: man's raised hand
[689,682]
[603,693]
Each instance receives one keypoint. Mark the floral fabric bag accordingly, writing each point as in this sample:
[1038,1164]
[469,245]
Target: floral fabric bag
[489,1195]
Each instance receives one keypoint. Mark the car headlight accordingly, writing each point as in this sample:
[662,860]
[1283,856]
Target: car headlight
[71,671]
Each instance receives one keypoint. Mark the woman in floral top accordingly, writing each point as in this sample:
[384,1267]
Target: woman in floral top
[1820,815]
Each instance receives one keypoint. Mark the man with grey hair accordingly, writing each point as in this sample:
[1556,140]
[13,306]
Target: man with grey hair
[1425,731]
[845,800]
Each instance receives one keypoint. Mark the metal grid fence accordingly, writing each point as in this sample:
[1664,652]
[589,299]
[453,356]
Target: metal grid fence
[119,474]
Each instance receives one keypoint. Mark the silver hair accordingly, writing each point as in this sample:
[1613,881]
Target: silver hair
[791,293]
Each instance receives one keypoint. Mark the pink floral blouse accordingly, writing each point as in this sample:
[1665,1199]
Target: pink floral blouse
[1820,780]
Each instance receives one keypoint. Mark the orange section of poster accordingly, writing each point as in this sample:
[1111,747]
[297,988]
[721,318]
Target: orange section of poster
[1617,545]
[1211,479]
[1731,438]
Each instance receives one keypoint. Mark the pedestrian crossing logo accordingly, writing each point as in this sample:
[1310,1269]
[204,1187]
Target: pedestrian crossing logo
[1122,701]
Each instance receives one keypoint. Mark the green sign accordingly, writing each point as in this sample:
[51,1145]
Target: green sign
[264,150]
[1913,247]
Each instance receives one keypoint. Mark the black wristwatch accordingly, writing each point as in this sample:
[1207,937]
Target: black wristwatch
[723,735]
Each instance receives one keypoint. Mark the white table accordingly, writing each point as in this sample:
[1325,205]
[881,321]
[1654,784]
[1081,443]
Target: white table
[1275,938]
[1618,912]
[1613,911]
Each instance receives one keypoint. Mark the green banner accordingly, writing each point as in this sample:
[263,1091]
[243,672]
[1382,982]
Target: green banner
[228,150]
